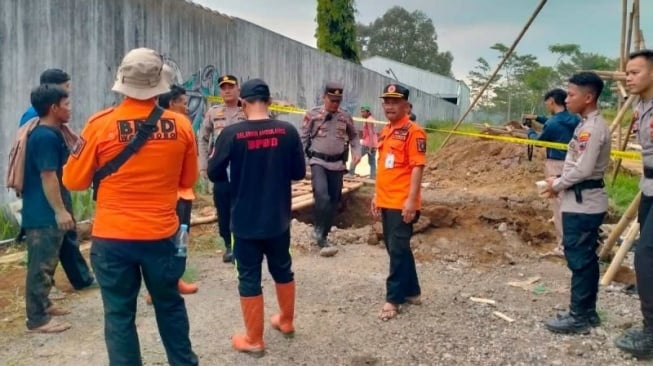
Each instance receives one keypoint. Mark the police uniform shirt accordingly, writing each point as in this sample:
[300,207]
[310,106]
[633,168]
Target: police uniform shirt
[644,112]
[329,137]
[587,158]
[216,119]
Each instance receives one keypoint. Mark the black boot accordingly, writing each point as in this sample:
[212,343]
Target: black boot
[638,342]
[569,323]
[228,256]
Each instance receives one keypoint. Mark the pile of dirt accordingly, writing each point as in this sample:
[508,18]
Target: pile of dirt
[490,166]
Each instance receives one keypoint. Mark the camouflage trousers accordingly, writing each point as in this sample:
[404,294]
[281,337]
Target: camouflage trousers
[43,247]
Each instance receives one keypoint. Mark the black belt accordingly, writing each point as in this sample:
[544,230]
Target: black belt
[578,188]
[326,157]
[648,173]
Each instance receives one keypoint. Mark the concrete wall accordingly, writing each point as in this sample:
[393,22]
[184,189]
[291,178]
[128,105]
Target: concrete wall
[88,38]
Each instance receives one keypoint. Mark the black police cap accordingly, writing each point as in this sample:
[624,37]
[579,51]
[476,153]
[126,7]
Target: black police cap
[228,79]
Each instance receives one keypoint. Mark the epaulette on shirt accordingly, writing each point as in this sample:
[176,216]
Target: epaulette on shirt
[100,114]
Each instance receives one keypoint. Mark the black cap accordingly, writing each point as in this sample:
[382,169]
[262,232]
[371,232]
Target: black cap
[334,90]
[395,91]
[254,88]
[228,79]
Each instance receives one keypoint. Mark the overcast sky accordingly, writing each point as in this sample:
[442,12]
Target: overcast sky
[466,28]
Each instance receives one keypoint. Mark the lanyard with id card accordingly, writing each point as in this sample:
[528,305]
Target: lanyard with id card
[390,161]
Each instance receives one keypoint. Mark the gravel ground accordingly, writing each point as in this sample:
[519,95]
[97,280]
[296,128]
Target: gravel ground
[338,300]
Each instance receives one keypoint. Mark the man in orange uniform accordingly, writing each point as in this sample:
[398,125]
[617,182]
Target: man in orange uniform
[402,155]
[135,223]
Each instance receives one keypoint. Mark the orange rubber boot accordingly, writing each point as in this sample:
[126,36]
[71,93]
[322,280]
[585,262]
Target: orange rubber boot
[252,342]
[187,288]
[283,321]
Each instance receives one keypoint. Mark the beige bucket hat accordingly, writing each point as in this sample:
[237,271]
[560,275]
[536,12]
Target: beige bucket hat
[140,75]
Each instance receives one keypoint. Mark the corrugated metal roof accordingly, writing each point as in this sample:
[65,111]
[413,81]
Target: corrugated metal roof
[438,85]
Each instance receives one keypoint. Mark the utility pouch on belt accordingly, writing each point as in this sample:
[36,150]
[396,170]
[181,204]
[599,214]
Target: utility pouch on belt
[578,188]
[648,173]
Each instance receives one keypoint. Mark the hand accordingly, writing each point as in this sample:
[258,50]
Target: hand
[375,210]
[529,116]
[408,212]
[64,220]
[549,192]
[355,159]
[203,174]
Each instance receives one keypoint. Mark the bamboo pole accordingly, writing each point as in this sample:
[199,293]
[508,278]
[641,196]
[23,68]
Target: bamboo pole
[621,254]
[636,28]
[506,56]
[629,34]
[623,145]
[628,216]
[624,17]
[620,115]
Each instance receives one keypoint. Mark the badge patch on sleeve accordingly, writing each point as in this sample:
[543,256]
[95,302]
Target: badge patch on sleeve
[421,145]
[584,136]
[78,148]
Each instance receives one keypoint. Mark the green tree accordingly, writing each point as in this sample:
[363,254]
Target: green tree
[336,28]
[478,77]
[571,59]
[405,37]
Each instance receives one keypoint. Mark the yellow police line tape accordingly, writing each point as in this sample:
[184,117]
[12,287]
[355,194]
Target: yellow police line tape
[616,154]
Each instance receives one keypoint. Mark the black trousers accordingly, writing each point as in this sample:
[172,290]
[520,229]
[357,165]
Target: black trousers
[327,190]
[118,266]
[580,235]
[184,208]
[222,201]
[402,281]
[249,258]
[42,258]
[73,263]
[644,260]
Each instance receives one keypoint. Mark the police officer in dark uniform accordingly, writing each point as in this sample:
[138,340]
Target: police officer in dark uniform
[327,132]
[584,203]
[216,119]
[639,79]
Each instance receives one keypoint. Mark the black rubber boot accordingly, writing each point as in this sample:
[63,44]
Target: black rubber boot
[569,323]
[637,342]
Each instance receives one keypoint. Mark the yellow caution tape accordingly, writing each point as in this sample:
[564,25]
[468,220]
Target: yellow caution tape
[616,154]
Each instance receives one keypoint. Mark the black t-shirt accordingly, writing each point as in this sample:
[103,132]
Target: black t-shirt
[264,157]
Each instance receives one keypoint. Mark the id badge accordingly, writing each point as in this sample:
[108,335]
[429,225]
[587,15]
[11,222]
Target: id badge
[390,161]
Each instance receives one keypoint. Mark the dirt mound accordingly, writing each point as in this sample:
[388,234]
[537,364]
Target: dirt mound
[485,165]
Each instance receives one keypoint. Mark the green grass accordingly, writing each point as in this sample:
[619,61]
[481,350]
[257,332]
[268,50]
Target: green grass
[540,289]
[435,138]
[190,276]
[610,114]
[622,192]
[83,205]
[8,226]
